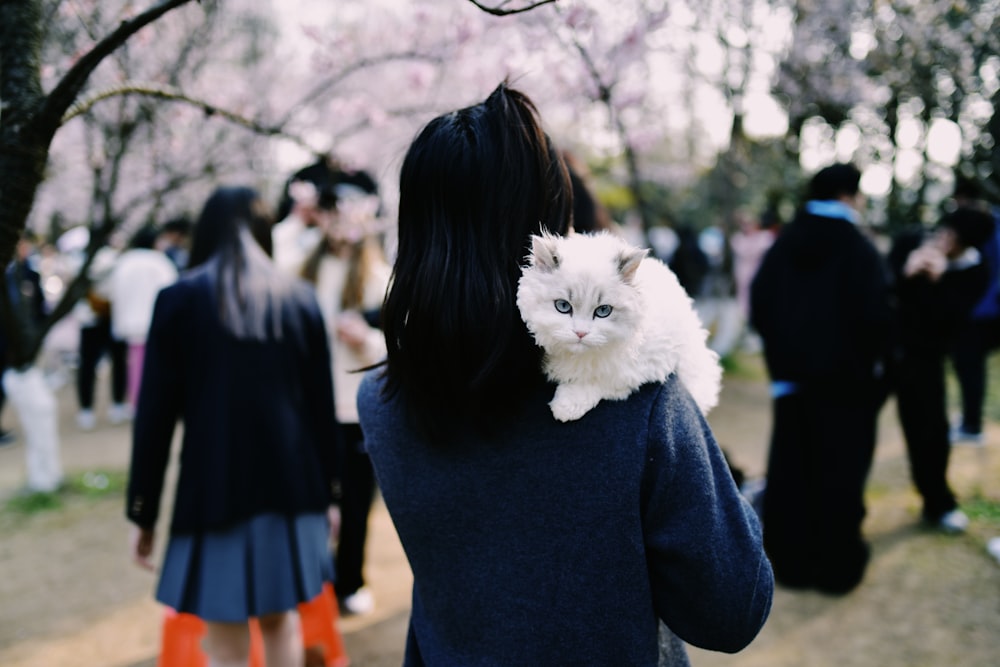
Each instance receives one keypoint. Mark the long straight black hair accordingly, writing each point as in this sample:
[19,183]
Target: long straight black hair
[233,238]
[474,185]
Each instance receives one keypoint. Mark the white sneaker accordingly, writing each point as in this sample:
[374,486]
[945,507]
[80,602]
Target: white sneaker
[959,436]
[119,413]
[86,420]
[953,522]
[993,547]
[359,603]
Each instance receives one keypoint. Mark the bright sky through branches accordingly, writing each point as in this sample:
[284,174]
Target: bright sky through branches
[695,108]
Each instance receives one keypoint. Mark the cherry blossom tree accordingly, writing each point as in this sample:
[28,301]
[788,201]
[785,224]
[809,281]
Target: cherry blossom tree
[29,120]
[884,83]
[989,154]
[109,122]
[114,116]
[30,116]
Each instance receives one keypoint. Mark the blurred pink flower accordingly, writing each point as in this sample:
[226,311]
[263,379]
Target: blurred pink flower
[312,33]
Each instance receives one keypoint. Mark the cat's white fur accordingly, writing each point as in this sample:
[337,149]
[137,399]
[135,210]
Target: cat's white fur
[651,331]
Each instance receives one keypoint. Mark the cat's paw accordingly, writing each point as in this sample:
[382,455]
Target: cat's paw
[569,406]
[568,413]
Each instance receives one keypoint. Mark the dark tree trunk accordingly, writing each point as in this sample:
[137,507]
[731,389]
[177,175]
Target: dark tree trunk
[23,142]
[30,118]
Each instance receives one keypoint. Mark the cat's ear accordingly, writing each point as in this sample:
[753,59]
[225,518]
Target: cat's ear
[543,251]
[629,261]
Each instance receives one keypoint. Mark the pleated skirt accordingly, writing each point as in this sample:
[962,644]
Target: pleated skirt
[267,564]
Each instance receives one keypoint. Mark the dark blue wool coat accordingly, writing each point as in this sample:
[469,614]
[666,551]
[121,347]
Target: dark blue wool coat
[565,543]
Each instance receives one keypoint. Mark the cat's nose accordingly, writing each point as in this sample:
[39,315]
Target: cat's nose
[581,334]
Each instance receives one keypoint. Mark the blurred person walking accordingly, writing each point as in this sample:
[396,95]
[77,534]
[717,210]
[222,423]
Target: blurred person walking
[238,352]
[173,239]
[938,280]
[307,204]
[689,262]
[28,309]
[94,316]
[296,235]
[820,302]
[748,244]
[350,274]
[531,541]
[138,275]
[979,334]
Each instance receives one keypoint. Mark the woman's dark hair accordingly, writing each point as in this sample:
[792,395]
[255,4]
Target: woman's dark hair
[475,184]
[233,238]
[589,215]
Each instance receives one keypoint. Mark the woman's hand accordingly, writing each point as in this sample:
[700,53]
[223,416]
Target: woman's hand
[352,330]
[928,260]
[141,542]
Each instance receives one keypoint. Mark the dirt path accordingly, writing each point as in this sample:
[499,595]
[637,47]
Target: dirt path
[69,598]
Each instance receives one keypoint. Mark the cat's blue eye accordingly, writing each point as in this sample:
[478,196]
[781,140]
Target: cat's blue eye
[563,306]
[603,310]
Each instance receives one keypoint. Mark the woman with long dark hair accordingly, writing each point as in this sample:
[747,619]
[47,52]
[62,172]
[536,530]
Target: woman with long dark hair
[238,352]
[532,541]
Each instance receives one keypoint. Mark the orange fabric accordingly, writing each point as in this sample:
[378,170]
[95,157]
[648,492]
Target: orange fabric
[180,645]
[319,628]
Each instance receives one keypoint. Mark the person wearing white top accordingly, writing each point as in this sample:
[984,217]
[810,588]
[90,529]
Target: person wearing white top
[295,236]
[137,277]
[351,274]
[93,314]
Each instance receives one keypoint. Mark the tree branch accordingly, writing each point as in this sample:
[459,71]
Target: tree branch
[499,11]
[324,86]
[69,87]
[170,94]
[365,123]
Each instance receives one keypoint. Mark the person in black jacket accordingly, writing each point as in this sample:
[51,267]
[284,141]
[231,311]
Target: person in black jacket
[27,302]
[938,280]
[979,335]
[238,352]
[820,302]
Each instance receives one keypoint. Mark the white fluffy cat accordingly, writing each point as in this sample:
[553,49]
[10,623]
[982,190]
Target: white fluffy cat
[611,319]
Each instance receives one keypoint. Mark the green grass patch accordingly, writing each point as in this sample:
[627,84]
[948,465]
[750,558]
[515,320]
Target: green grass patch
[97,483]
[744,365]
[34,502]
[991,408]
[982,509]
[730,364]
[90,484]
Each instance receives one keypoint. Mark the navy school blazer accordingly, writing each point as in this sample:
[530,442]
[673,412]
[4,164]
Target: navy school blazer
[260,434]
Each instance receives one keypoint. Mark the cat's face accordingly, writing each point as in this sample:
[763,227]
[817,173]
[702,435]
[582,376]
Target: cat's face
[577,295]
